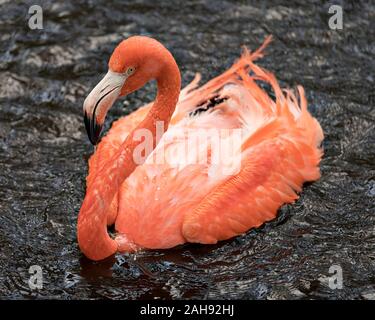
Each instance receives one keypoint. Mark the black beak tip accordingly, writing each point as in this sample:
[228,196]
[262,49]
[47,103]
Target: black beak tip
[93,129]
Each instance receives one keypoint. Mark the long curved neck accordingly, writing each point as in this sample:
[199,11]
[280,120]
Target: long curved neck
[168,84]
[93,237]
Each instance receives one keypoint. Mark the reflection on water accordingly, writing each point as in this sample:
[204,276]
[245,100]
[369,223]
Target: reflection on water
[45,76]
[93,271]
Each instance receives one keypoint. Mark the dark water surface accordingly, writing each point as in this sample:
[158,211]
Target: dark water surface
[44,78]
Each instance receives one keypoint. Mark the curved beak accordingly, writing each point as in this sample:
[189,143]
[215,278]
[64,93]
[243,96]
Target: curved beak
[99,101]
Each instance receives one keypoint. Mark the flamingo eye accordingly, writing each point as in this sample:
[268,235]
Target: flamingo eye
[130,71]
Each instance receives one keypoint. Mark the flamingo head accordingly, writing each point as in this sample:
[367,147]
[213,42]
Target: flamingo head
[133,63]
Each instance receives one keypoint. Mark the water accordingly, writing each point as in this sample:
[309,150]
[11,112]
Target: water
[45,76]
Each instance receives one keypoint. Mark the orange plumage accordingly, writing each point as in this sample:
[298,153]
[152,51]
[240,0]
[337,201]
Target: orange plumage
[161,205]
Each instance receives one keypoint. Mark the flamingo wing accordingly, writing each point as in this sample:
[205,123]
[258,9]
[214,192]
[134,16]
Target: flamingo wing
[281,152]
[272,173]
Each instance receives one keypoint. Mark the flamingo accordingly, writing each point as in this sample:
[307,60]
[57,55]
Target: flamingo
[159,205]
